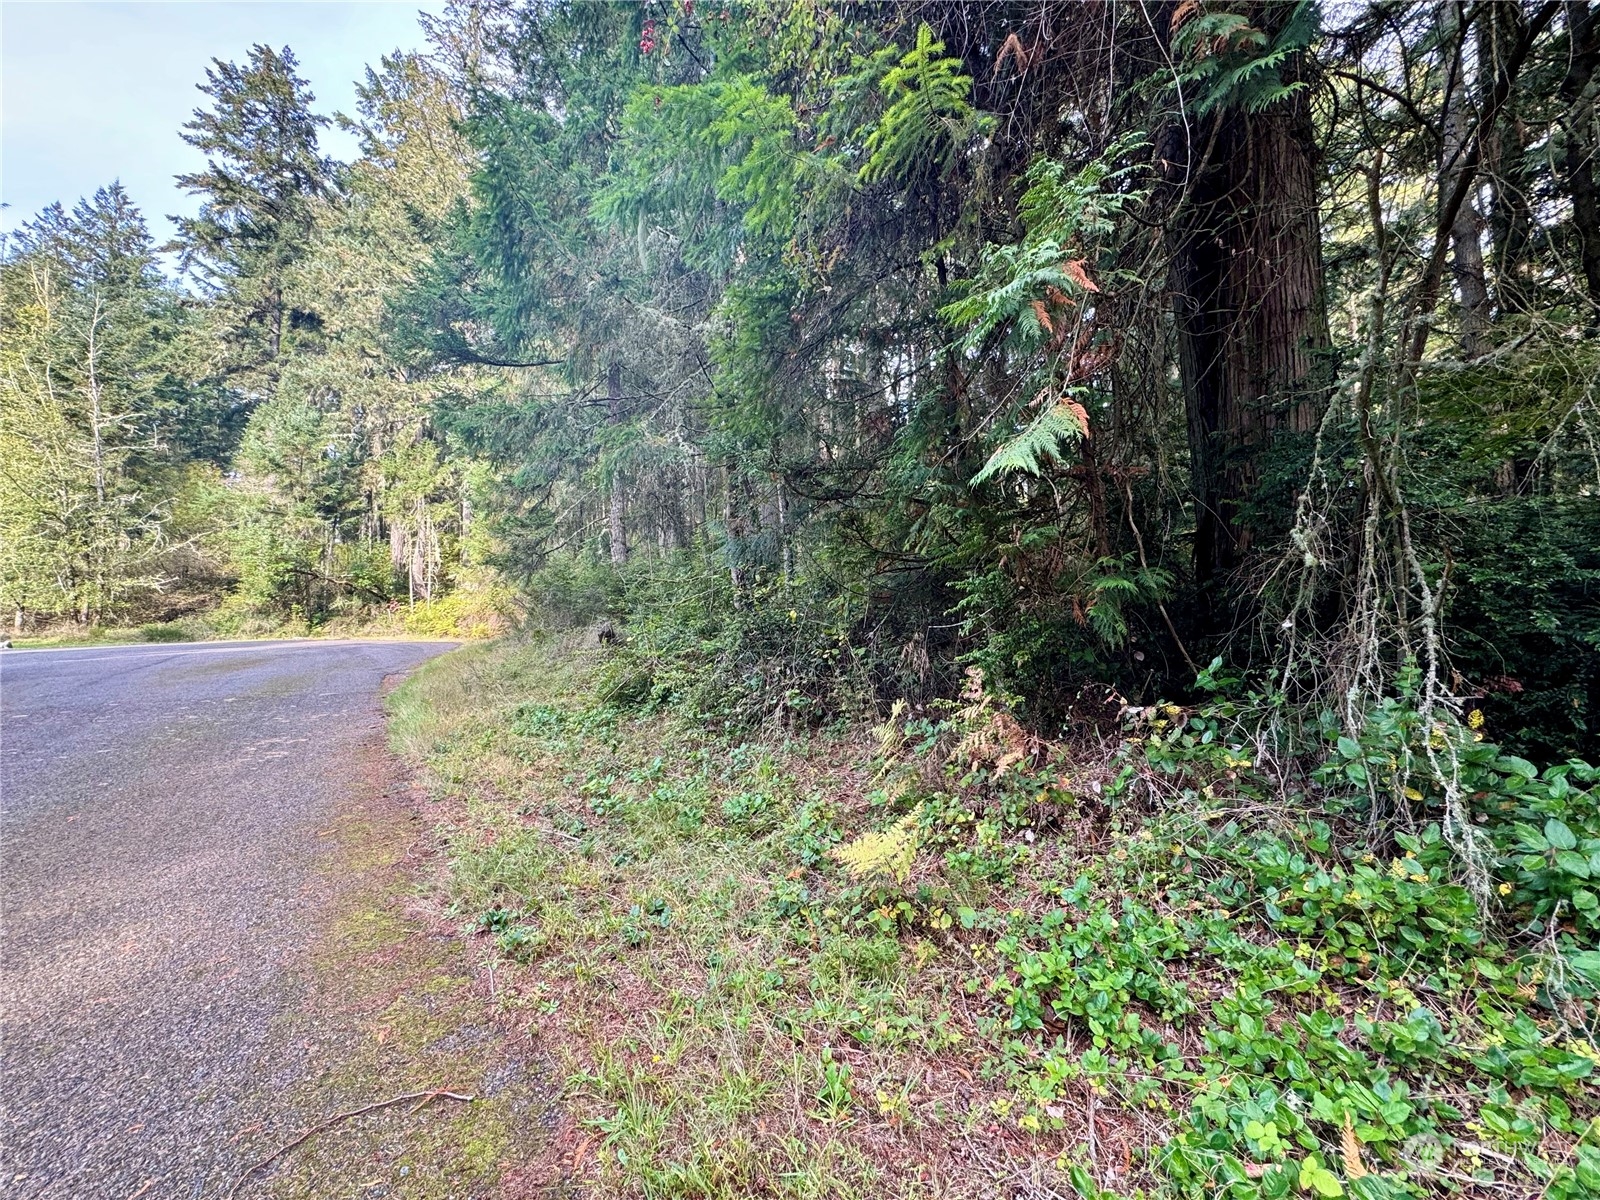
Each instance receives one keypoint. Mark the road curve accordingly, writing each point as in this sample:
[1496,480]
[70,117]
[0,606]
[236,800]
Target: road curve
[163,810]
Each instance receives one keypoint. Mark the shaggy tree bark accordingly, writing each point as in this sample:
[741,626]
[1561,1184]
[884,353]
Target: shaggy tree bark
[1247,285]
[1505,167]
[1466,230]
[1578,129]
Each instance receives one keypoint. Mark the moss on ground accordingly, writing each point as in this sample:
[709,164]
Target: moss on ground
[391,1005]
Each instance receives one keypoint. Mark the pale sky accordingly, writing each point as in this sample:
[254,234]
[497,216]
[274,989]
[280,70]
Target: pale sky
[95,92]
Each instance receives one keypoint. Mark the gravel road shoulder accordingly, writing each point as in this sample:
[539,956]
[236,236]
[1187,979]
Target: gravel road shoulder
[392,1004]
[218,933]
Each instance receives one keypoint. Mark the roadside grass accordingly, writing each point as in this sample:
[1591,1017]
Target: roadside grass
[941,959]
[623,876]
[168,632]
[73,637]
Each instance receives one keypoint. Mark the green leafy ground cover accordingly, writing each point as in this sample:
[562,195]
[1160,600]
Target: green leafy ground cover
[946,958]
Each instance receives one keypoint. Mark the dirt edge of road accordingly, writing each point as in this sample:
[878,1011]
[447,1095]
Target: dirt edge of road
[391,1004]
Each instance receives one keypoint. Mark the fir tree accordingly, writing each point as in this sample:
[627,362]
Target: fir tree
[263,176]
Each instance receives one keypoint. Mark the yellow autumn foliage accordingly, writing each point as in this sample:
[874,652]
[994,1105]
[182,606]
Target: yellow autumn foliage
[882,852]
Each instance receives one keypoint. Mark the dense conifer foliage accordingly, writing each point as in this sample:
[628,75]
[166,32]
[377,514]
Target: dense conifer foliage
[1078,343]
[238,444]
[1171,426]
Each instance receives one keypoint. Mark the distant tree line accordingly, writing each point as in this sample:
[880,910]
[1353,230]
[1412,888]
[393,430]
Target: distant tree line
[240,430]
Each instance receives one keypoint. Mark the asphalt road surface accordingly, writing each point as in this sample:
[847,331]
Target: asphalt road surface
[162,816]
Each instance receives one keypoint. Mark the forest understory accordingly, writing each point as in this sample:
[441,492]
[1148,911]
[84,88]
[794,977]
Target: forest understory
[941,957]
[1044,559]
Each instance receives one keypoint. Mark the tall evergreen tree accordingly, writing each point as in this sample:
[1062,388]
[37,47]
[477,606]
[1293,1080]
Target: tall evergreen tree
[263,176]
[1247,278]
[87,314]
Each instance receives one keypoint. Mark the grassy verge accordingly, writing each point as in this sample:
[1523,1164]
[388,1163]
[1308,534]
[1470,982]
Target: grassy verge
[942,958]
[71,637]
[166,632]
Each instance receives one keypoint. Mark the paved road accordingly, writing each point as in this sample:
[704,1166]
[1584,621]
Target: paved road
[160,810]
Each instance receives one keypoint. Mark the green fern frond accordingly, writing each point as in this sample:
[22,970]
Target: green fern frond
[931,118]
[1085,203]
[1234,64]
[1066,215]
[1117,583]
[1061,425]
[1107,621]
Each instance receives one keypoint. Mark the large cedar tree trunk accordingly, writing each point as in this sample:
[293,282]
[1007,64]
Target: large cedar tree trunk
[1248,304]
[1578,159]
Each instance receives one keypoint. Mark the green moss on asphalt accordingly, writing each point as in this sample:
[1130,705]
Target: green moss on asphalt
[394,1009]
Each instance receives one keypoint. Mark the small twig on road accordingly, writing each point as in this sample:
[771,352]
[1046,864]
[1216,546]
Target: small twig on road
[424,1098]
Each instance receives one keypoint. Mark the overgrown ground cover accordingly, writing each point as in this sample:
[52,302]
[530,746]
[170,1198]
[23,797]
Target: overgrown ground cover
[942,957]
